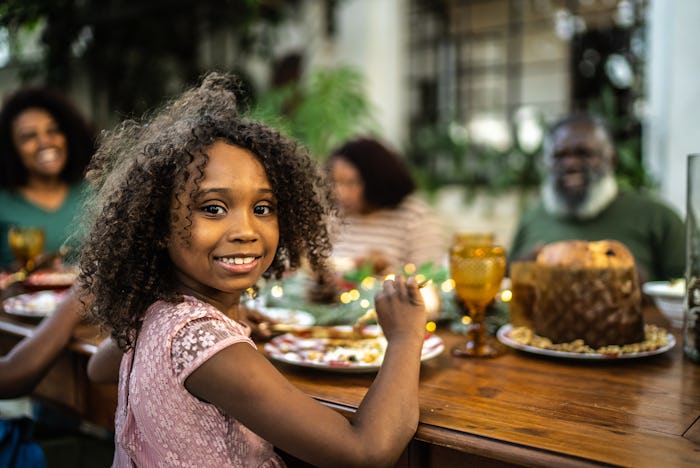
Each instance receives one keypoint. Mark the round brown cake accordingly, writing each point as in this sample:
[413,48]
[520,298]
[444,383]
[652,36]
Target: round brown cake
[589,291]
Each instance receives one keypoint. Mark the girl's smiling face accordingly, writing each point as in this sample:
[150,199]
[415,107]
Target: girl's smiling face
[234,229]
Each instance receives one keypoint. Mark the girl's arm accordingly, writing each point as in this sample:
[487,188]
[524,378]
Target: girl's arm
[25,365]
[244,384]
[103,366]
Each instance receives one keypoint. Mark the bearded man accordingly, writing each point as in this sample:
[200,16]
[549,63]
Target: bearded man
[581,200]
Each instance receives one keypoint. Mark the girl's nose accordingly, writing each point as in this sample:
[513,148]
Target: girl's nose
[242,228]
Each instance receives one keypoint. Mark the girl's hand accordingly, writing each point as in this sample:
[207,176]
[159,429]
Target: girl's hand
[400,309]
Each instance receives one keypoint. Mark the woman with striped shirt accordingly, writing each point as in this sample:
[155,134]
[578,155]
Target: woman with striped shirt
[381,218]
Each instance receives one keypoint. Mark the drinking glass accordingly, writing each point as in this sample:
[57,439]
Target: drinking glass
[477,271]
[522,285]
[473,238]
[26,244]
[691,322]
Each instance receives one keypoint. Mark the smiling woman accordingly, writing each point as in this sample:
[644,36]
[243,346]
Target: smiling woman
[45,145]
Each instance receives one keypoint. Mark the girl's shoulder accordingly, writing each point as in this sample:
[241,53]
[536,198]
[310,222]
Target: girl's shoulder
[174,316]
[186,310]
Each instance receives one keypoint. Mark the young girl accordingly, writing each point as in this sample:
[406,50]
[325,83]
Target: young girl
[191,209]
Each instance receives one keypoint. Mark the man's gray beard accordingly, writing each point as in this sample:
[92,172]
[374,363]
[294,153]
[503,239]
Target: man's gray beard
[599,195]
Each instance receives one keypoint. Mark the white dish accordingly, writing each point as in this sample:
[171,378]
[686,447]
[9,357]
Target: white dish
[39,304]
[504,332]
[665,289]
[668,298]
[316,353]
[285,316]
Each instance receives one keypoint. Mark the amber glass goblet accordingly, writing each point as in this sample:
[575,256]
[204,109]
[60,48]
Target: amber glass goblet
[473,238]
[477,271]
[26,244]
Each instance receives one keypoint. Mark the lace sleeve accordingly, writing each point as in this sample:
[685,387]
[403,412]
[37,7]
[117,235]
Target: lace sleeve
[200,339]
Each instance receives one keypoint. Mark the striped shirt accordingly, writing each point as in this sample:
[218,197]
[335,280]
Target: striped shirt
[410,233]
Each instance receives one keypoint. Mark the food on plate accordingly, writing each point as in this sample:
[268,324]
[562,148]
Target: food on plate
[341,354]
[587,291]
[38,304]
[333,352]
[52,278]
[677,286]
[654,338]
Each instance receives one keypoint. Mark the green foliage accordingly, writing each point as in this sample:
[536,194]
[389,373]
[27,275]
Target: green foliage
[626,132]
[139,51]
[444,156]
[322,112]
[292,292]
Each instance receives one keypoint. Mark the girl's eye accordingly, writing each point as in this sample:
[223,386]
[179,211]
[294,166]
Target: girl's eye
[263,210]
[213,209]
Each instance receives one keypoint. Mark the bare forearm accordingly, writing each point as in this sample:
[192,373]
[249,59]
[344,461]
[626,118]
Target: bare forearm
[388,416]
[25,365]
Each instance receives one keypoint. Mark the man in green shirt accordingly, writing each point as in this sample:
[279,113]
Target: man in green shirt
[581,200]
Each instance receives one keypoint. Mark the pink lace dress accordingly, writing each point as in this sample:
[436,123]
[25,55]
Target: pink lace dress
[158,422]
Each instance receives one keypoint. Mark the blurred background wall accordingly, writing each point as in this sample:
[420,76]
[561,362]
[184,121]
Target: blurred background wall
[464,88]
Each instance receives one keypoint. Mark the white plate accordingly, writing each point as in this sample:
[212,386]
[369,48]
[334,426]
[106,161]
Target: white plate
[34,305]
[668,299]
[315,352]
[504,332]
[298,317]
[664,289]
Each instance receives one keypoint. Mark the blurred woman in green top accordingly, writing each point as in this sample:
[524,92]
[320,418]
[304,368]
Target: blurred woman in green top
[45,145]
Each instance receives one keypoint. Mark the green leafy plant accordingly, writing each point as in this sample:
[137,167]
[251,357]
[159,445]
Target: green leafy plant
[441,157]
[322,112]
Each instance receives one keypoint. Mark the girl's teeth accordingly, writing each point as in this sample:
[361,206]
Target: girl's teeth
[239,260]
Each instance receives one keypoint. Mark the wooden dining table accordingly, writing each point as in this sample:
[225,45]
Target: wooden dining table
[518,409]
[523,409]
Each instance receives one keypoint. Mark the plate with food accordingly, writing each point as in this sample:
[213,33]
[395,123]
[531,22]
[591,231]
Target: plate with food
[293,317]
[51,278]
[341,354]
[657,341]
[34,305]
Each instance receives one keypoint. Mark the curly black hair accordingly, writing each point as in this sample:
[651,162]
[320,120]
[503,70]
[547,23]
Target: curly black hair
[139,173]
[387,179]
[80,134]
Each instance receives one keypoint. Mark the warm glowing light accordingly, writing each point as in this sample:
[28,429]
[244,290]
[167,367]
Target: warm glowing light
[354,294]
[276,291]
[368,283]
[448,285]
[409,268]
[431,299]
[390,276]
[420,279]
[466,320]
[430,326]
[345,298]
[506,295]
[364,303]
